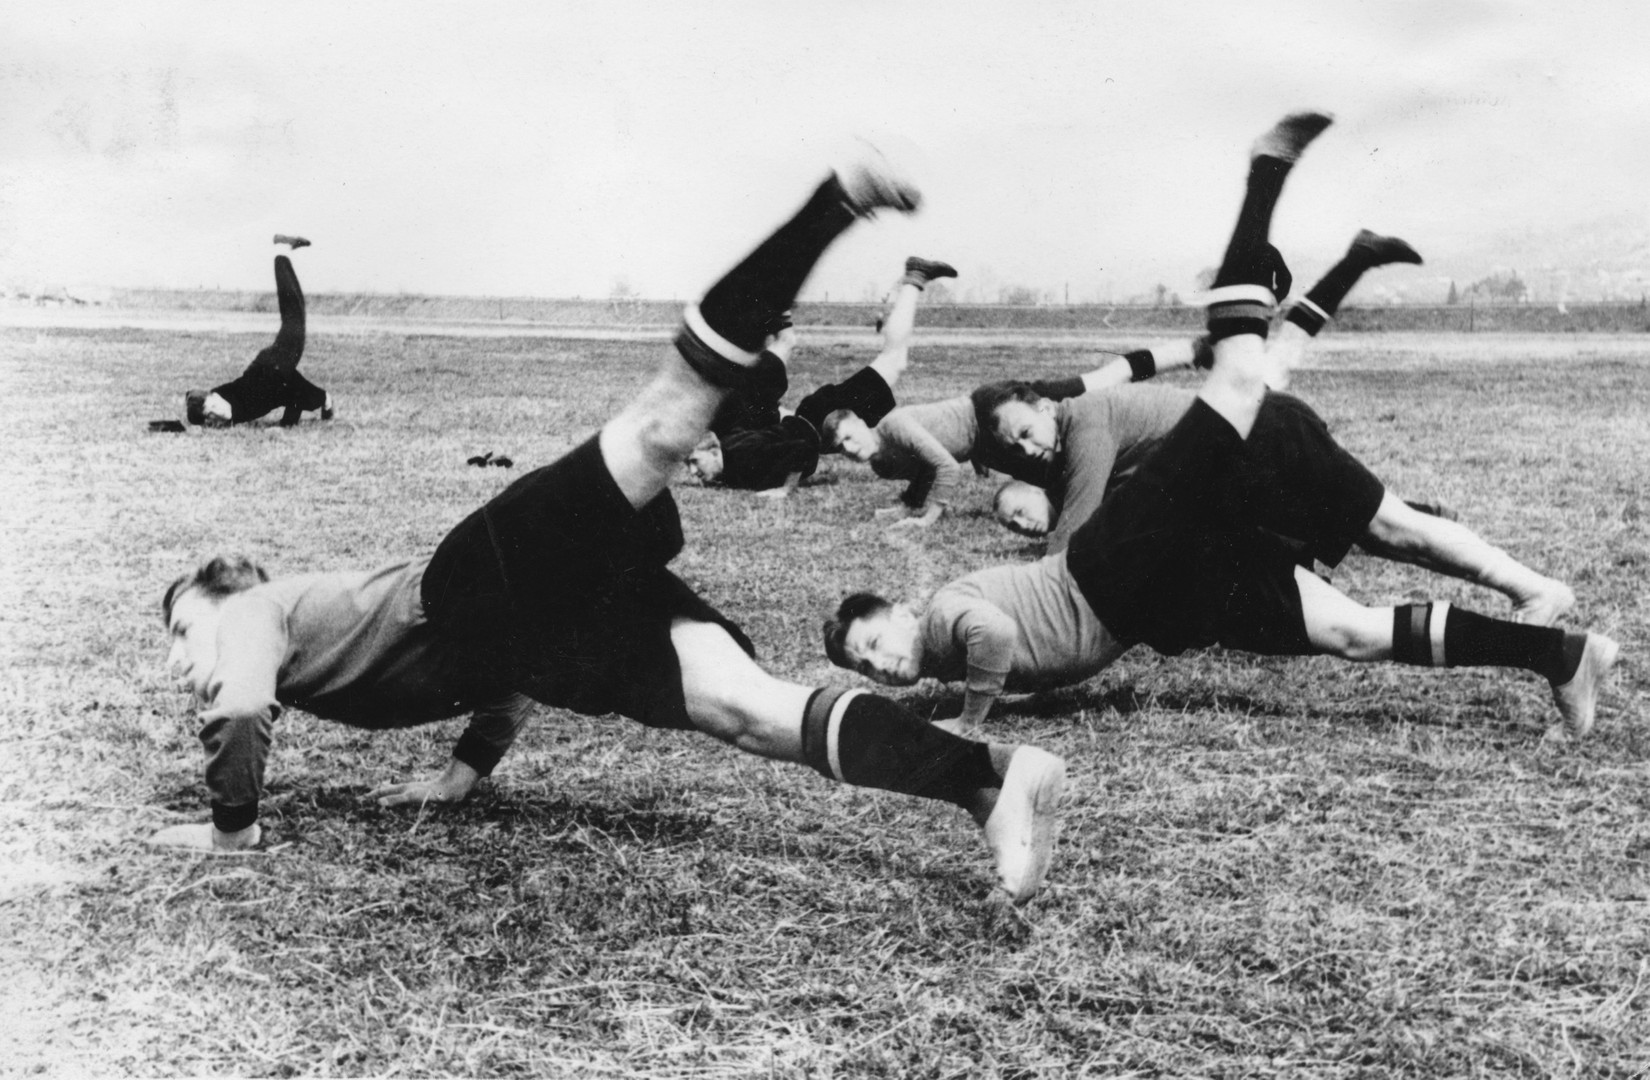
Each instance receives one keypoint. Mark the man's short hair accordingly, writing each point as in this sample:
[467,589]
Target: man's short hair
[828,426]
[860,605]
[993,396]
[218,577]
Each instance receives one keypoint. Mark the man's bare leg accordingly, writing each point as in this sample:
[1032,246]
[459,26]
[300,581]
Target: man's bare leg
[1403,534]
[1575,665]
[1309,315]
[723,335]
[901,318]
[1012,792]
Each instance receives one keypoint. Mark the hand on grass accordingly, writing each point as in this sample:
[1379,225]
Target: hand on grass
[890,513]
[205,838]
[449,786]
[918,521]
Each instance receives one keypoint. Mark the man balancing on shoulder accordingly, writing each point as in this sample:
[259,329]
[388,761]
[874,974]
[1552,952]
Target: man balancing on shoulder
[272,381]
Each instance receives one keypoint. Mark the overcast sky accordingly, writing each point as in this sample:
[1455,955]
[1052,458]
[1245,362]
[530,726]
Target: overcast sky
[554,149]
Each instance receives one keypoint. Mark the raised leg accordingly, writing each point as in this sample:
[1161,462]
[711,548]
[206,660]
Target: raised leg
[723,336]
[864,739]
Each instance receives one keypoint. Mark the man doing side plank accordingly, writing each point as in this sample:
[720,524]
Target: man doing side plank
[558,590]
[1208,542]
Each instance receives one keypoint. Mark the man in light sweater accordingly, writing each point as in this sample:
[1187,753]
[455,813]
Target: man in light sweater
[926,445]
[558,590]
[1211,539]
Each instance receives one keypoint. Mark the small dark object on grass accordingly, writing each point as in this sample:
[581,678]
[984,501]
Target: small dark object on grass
[503,462]
[486,459]
[481,459]
[171,426]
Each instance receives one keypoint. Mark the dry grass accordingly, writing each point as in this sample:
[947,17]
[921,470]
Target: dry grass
[1269,868]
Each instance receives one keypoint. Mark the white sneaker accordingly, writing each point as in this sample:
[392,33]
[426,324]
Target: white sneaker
[1020,830]
[872,182]
[1578,698]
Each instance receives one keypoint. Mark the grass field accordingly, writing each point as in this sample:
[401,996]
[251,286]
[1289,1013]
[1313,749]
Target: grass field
[1268,868]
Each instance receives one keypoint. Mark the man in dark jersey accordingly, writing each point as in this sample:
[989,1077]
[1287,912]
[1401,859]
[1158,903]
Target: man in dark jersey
[1211,539]
[272,381]
[558,590]
[755,445]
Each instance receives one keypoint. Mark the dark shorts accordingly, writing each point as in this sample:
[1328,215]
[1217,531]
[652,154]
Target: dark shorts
[1199,547]
[558,589]
[864,393]
[763,458]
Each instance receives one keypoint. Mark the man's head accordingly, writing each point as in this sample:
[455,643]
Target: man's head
[1018,420]
[191,607]
[207,408]
[878,639]
[705,462]
[1024,508]
[845,433]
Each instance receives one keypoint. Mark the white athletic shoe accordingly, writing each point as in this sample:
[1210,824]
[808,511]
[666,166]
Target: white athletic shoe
[872,182]
[1020,831]
[1290,136]
[1578,698]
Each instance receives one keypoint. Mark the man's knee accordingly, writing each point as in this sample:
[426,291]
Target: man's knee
[727,695]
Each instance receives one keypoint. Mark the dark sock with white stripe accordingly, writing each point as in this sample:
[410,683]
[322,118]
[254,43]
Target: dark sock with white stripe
[871,741]
[1368,251]
[744,305]
[1439,635]
[1250,260]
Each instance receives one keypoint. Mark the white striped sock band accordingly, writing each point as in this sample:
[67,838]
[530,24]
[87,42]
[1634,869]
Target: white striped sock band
[833,729]
[718,344]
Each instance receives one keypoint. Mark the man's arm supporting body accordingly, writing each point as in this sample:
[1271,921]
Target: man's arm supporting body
[351,647]
[911,452]
[983,637]
[1019,627]
[487,738]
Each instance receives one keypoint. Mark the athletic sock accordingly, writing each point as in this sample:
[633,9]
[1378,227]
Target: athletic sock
[1252,276]
[1247,286]
[920,271]
[744,304]
[1440,635]
[867,740]
[1368,251]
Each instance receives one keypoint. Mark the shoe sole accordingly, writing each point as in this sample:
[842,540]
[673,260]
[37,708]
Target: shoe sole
[1042,792]
[1602,662]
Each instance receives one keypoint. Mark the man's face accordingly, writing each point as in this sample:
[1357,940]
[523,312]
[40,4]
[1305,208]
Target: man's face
[856,440]
[883,647]
[194,633]
[705,463]
[1028,429]
[1024,509]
